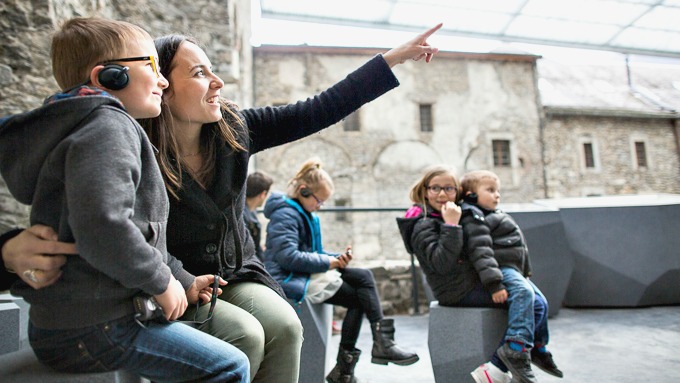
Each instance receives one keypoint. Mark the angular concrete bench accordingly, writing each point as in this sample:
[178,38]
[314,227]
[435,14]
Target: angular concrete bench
[552,260]
[22,367]
[317,322]
[10,315]
[625,249]
[461,338]
[18,363]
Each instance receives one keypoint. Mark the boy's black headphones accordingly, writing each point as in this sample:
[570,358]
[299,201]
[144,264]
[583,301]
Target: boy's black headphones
[305,192]
[114,76]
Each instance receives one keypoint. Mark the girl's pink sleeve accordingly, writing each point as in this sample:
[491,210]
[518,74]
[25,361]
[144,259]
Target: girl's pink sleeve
[413,211]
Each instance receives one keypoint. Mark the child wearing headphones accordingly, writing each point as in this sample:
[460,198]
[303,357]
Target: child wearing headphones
[89,171]
[295,257]
[495,245]
[456,248]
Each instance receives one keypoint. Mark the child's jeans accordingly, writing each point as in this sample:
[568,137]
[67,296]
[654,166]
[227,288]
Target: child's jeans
[527,310]
[160,352]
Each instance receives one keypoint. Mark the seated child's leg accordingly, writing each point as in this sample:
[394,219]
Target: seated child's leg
[160,352]
[520,308]
[540,356]
[541,333]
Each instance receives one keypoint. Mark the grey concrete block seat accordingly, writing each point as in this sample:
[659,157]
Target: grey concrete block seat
[625,249]
[9,327]
[316,321]
[552,260]
[462,338]
[23,367]
[18,363]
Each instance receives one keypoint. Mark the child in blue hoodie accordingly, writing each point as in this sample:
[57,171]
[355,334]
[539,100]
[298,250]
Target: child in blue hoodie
[294,254]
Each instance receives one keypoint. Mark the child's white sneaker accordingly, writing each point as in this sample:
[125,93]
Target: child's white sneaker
[488,373]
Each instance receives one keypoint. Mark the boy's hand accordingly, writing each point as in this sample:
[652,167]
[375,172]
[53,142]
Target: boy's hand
[451,213]
[173,300]
[202,288]
[500,296]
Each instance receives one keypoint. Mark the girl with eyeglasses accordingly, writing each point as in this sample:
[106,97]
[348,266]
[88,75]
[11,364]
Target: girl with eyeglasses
[295,257]
[432,230]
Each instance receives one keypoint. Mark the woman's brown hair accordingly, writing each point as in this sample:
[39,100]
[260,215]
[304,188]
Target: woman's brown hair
[162,135]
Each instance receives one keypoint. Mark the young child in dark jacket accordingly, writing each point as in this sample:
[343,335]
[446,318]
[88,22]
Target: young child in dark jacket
[495,245]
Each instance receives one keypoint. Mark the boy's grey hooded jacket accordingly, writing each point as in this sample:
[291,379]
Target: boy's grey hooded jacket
[88,170]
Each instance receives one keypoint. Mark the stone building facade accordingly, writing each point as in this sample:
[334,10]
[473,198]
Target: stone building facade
[529,121]
[611,128]
[449,111]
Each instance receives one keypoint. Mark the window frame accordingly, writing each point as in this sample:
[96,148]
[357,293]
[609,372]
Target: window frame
[505,159]
[352,122]
[426,120]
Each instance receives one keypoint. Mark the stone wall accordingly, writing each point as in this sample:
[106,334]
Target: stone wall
[616,171]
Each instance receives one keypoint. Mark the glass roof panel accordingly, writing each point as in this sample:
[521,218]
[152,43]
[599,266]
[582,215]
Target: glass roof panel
[455,19]
[342,10]
[591,11]
[560,30]
[661,18]
[647,39]
[649,27]
[500,6]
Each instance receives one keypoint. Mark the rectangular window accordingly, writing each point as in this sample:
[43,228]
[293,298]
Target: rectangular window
[501,153]
[351,123]
[341,215]
[641,154]
[426,118]
[588,155]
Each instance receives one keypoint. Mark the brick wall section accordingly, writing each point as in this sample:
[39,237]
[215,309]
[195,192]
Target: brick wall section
[617,172]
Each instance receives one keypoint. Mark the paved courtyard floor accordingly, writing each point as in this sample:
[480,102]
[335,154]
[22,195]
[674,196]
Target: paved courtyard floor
[589,345]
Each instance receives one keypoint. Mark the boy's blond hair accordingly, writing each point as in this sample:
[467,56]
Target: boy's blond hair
[82,43]
[471,180]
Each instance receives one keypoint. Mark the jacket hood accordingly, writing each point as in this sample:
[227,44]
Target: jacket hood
[27,139]
[476,211]
[276,200]
[406,226]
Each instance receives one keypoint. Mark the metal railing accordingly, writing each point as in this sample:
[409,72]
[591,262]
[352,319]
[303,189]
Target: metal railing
[414,277]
